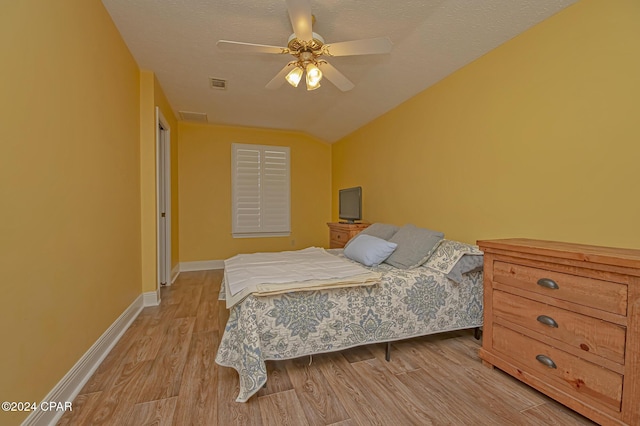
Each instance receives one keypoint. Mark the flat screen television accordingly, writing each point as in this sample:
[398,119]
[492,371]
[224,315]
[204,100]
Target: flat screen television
[350,204]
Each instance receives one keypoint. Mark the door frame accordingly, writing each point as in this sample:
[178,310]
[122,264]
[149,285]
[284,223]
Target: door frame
[163,170]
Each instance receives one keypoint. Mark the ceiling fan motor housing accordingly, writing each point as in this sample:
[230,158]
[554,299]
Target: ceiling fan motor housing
[314,45]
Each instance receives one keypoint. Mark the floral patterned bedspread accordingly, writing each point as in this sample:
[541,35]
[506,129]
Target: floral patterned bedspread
[407,303]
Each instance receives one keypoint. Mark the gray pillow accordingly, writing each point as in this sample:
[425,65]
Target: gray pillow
[415,245]
[467,263]
[378,230]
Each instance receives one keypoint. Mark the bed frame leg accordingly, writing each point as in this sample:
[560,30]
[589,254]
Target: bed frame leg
[387,355]
[477,333]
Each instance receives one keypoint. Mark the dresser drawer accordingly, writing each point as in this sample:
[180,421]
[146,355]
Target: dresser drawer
[604,295]
[338,237]
[341,233]
[575,376]
[580,331]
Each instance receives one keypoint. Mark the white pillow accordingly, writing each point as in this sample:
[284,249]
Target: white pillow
[369,250]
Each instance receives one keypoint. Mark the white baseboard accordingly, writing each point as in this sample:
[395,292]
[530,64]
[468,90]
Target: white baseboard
[201,265]
[150,298]
[71,384]
[175,272]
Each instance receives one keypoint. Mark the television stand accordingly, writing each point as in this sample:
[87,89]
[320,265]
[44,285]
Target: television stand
[341,232]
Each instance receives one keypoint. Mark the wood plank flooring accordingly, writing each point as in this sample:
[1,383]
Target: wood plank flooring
[162,372]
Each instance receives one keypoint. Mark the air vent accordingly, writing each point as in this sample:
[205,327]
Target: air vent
[217,83]
[194,116]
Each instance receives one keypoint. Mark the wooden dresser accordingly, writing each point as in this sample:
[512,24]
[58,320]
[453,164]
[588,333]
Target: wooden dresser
[340,233]
[565,319]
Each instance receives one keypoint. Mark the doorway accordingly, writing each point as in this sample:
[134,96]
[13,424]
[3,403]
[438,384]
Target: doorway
[163,197]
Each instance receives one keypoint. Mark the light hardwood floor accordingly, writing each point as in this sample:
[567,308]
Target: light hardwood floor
[162,372]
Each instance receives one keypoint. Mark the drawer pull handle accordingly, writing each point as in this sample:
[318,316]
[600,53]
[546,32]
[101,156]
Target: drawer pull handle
[547,321]
[548,362]
[548,283]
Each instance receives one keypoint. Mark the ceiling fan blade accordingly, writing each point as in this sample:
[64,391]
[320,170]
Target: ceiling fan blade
[279,78]
[240,47]
[370,46]
[300,15]
[335,76]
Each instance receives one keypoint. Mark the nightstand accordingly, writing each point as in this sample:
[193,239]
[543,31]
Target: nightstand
[340,233]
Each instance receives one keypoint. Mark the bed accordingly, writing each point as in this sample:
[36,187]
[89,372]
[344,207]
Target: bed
[442,294]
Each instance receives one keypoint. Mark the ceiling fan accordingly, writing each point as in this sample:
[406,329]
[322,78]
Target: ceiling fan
[308,49]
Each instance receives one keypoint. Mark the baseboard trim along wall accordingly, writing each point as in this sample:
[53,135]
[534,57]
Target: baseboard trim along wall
[71,384]
[150,298]
[201,265]
[175,271]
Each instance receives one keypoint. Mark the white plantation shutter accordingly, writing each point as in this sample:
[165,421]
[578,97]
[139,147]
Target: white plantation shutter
[260,190]
[246,185]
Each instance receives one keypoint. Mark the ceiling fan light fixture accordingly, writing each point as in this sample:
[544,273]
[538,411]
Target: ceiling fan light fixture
[314,75]
[308,48]
[313,87]
[294,76]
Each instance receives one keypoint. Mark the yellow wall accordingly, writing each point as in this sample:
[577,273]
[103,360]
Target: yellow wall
[538,138]
[152,96]
[148,253]
[69,185]
[205,191]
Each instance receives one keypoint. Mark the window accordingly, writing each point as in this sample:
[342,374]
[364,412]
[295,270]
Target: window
[260,191]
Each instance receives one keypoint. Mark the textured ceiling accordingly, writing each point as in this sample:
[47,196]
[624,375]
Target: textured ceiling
[176,39]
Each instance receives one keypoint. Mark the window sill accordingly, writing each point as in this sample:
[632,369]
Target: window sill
[261,234]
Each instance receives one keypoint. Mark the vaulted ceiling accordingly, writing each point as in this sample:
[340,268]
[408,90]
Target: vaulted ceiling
[176,39]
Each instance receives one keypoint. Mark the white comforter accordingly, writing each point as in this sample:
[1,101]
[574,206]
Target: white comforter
[273,273]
